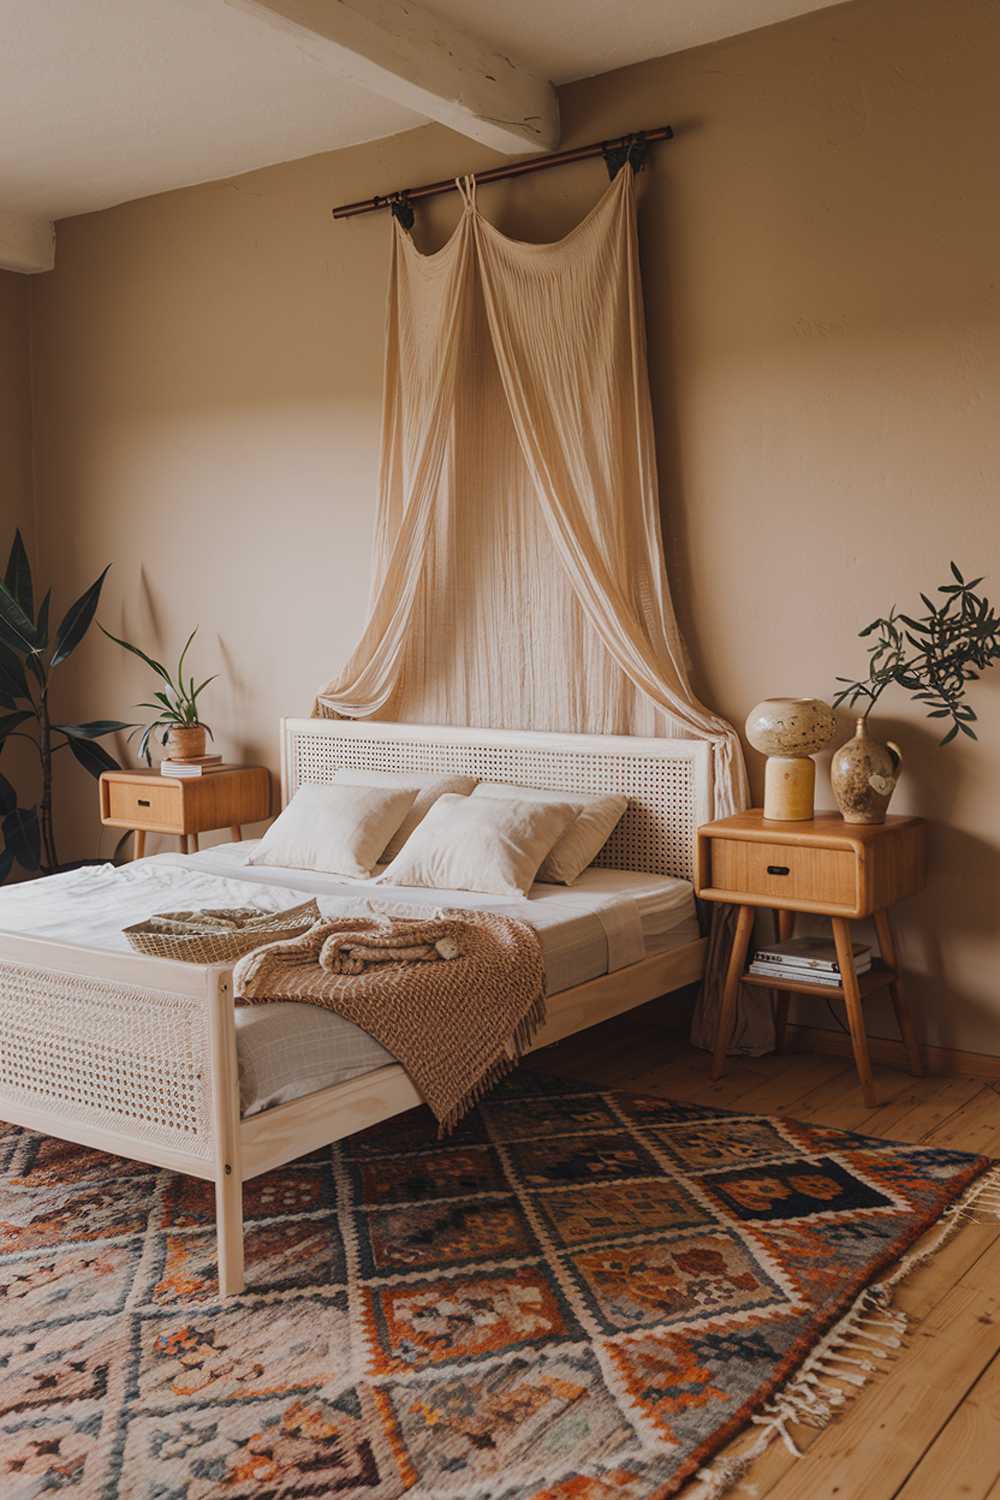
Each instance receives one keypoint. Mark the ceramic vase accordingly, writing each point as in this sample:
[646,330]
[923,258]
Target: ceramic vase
[186,742]
[789,731]
[863,774]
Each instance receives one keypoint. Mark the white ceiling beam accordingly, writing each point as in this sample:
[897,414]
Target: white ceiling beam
[27,242]
[403,53]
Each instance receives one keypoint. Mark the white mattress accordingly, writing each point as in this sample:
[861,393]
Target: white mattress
[609,919]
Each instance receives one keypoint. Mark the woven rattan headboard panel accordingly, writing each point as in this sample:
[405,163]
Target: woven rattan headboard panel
[667,782]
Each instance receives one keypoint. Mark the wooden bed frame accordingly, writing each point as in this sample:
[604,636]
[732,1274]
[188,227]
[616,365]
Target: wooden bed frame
[137,1056]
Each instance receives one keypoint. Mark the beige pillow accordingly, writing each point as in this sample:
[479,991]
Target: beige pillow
[428,785]
[595,821]
[480,844]
[338,829]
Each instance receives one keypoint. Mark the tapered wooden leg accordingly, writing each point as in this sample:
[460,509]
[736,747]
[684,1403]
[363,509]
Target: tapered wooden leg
[727,1011]
[786,926]
[236,833]
[904,1018]
[855,1014]
[226,1127]
[140,844]
[229,1232]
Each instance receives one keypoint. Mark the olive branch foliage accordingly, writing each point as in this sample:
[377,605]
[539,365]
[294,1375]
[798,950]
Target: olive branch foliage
[933,656]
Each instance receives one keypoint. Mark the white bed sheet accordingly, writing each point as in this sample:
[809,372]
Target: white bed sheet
[609,919]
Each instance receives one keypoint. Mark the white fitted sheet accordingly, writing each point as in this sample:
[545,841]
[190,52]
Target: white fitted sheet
[607,920]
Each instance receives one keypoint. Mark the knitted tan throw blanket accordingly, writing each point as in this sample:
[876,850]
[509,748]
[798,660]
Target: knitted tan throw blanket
[455,998]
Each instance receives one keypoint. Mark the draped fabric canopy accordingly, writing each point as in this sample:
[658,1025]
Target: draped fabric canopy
[519,577]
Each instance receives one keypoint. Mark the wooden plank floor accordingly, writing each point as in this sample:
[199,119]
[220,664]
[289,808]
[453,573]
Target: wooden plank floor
[927,1427]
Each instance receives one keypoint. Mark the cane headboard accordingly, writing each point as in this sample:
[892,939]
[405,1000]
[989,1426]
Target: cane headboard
[667,782]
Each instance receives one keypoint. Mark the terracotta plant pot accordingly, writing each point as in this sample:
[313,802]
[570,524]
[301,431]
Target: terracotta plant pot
[863,774]
[187,743]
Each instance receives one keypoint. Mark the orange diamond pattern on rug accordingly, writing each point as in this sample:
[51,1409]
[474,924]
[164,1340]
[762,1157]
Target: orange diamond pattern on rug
[426,1324]
[724,1143]
[593,1214]
[429,1236]
[574,1297]
[560,1160]
[657,1283]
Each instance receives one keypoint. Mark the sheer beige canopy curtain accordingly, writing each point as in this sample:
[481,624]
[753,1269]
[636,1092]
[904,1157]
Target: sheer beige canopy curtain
[519,578]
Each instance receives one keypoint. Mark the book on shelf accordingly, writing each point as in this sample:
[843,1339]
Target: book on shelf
[811,954]
[201,766]
[821,977]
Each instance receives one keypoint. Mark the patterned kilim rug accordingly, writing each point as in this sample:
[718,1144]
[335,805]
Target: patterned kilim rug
[578,1296]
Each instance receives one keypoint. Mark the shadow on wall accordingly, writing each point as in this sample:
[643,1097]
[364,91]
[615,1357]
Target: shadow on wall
[249,750]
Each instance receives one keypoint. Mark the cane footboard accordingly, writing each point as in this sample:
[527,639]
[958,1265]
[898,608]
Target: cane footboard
[111,1047]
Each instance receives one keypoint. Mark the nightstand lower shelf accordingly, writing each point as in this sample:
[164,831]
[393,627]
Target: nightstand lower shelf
[878,977]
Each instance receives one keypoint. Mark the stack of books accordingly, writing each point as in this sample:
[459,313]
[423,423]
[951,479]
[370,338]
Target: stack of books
[197,767]
[808,960]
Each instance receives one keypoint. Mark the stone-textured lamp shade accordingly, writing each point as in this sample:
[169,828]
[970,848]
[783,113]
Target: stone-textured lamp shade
[789,731]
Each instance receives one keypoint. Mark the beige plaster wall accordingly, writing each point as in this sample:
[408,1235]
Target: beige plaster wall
[820,250]
[19,763]
[15,408]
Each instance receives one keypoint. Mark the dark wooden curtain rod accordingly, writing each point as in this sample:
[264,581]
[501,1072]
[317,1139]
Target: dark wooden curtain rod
[615,152]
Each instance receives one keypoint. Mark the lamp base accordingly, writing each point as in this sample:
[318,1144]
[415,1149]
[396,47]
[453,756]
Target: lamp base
[789,788]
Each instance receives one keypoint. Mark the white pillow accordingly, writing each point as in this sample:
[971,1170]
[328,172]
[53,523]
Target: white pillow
[428,785]
[480,844]
[339,829]
[595,821]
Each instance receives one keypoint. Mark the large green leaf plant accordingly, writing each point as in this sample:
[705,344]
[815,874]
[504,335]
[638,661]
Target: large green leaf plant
[28,657]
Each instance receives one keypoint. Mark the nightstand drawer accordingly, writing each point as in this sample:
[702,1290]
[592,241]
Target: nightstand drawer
[145,804]
[783,872]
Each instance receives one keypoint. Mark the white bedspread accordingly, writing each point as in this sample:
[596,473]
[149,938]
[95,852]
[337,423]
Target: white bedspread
[609,919]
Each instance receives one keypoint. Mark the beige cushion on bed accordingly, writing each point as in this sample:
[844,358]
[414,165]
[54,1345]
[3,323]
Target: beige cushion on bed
[429,786]
[480,844]
[339,829]
[595,821]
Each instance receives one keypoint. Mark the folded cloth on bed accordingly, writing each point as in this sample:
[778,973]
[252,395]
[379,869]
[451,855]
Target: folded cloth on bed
[217,934]
[388,942]
[456,1026]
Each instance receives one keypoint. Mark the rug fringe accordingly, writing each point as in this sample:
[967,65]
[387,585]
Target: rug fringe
[852,1351]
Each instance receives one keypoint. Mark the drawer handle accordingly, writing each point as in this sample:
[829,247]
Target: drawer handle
[143,801]
[778,870]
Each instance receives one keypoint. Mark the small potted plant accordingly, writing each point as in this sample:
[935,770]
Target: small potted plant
[178,723]
[933,656]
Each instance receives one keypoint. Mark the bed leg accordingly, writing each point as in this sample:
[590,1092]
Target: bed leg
[229,1231]
[226,1120]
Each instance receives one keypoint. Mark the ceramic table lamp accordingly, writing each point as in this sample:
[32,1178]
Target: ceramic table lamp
[789,731]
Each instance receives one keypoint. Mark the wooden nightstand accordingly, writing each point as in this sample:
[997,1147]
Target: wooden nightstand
[187,806]
[825,866]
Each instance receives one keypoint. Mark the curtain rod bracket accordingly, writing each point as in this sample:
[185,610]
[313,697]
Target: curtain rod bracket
[632,149]
[402,210]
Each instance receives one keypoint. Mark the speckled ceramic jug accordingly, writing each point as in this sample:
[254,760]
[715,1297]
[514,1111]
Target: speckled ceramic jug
[863,774]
